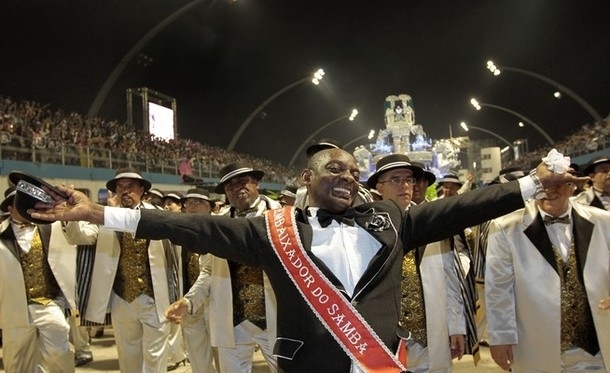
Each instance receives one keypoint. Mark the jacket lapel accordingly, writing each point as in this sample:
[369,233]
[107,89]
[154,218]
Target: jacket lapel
[536,233]
[582,231]
[8,238]
[384,232]
[44,231]
[595,202]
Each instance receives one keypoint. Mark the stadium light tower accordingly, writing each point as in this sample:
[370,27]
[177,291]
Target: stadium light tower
[478,105]
[496,70]
[369,136]
[101,95]
[351,118]
[315,79]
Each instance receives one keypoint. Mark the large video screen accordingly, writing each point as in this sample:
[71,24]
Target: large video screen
[160,121]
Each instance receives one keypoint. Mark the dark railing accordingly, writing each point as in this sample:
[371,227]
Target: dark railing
[86,156]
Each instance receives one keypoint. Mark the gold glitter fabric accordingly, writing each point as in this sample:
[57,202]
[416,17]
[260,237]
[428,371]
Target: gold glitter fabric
[133,276]
[192,269]
[577,327]
[40,284]
[413,315]
[248,294]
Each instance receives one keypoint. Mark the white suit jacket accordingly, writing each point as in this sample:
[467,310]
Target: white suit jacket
[523,289]
[106,263]
[588,197]
[13,299]
[221,301]
[443,303]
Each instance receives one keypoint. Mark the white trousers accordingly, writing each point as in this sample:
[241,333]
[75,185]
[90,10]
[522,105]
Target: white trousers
[141,340]
[175,347]
[41,347]
[196,334]
[239,359]
[79,336]
[578,360]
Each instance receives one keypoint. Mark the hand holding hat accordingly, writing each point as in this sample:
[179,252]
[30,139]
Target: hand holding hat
[67,205]
[28,191]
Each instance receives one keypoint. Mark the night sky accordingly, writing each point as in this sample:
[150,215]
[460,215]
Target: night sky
[222,59]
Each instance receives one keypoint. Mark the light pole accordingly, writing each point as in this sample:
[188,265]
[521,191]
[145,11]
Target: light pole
[467,127]
[477,105]
[350,116]
[315,79]
[135,49]
[497,70]
[369,136]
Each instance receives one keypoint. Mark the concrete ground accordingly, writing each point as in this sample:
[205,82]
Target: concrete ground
[105,360]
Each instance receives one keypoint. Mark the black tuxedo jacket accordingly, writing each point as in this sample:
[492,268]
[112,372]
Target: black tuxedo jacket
[303,344]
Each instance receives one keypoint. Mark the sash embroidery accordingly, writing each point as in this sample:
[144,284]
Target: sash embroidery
[345,324]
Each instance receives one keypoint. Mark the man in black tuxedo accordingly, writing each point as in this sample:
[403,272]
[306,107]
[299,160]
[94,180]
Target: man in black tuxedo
[362,261]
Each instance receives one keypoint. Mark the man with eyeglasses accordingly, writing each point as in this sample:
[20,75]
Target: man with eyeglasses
[242,303]
[432,309]
[547,270]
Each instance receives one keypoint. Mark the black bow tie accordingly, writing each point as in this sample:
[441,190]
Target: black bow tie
[325,217]
[548,220]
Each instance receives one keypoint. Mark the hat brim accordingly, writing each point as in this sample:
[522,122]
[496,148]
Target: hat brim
[257,174]
[417,173]
[443,181]
[24,201]
[589,169]
[111,184]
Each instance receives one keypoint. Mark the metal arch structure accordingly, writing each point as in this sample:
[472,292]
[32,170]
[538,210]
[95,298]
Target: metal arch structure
[260,107]
[584,104]
[118,69]
[524,118]
[353,141]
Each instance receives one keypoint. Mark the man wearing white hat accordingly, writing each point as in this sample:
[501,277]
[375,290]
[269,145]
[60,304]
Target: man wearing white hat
[36,280]
[144,281]
[242,302]
[155,197]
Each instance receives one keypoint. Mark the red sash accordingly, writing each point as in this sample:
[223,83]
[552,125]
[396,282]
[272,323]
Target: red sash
[345,324]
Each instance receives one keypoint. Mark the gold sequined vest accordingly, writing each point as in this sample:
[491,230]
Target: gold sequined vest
[40,284]
[133,276]
[413,315]
[247,283]
[577,327]
[248,294]
[192,270]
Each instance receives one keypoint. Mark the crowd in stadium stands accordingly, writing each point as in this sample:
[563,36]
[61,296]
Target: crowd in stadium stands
[589,138]
[91,141]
